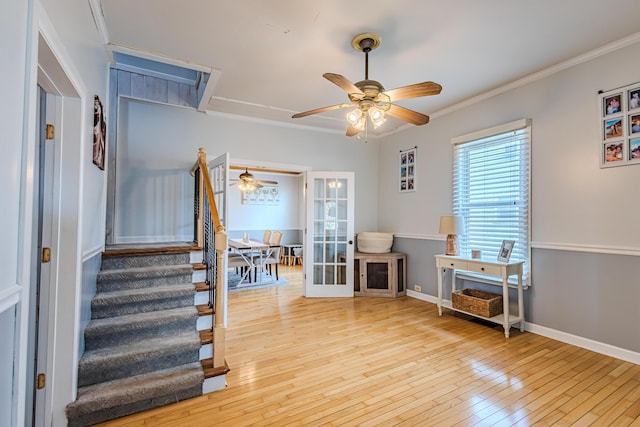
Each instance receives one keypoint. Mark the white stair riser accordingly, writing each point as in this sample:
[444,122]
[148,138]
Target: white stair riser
[199,276]
[214,384]
[196,257]
[206,351]
[201,298]
[204,322]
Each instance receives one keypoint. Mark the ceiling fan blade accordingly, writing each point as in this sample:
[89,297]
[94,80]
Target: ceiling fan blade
[408,115]
[320,110]
[343,83]
[351,131]
[414,91]
[262,181]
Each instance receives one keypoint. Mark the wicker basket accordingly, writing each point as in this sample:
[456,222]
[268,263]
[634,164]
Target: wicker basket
[476,302]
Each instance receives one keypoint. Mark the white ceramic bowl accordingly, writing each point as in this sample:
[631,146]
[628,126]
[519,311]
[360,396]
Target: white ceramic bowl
[373,242]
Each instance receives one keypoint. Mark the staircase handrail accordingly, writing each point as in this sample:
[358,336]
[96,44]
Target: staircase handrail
[217,290]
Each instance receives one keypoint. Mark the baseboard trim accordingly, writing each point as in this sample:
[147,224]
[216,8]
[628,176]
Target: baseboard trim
[152,239]
[586,343]
[422,297]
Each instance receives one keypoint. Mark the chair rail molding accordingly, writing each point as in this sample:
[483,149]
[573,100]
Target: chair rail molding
[9,297]
[598,249]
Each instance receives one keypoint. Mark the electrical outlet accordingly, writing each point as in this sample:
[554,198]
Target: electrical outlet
[417,288]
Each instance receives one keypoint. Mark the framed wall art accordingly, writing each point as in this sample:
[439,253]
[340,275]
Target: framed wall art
[99,133]
[620,126]
[267,195]
[407,171]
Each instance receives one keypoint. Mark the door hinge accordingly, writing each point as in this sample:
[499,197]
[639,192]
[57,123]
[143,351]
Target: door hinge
[51,131]
[40,381]
[46,254]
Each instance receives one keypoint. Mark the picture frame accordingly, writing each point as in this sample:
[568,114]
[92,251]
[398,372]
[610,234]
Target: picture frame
[99,133]
[612,128]
[407,170]
[634,124]
[634,150]
[633,100]
[613,152]
[505,250]
[620,126]
[612,104]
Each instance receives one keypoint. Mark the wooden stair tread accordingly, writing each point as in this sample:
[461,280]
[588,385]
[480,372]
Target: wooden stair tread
[204,310]
[199,266]
[210,371]
[201,286]
[206,336]
[114,251]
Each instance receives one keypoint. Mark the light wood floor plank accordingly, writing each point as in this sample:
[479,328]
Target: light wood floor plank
[361,361]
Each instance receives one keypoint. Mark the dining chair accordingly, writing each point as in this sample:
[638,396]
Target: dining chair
[273,254]
[239,262]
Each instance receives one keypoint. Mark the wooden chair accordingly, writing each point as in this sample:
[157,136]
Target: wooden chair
[273,257]
[297,256]
[239,263]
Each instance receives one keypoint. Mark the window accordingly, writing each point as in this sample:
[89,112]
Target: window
[491,190]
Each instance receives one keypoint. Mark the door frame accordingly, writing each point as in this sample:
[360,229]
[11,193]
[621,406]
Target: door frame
[284,167]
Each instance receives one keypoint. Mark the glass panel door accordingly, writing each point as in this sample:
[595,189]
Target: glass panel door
[329,238]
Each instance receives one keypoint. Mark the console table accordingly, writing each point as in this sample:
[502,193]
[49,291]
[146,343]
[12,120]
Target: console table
[491,268]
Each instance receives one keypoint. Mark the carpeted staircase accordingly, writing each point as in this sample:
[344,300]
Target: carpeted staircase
[142,347]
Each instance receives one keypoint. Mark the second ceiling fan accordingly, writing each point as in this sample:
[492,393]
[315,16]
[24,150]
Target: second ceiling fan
[369,96]
[246,181]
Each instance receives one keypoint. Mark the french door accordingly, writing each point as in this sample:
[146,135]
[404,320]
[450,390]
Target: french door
[219,174]
[328,257]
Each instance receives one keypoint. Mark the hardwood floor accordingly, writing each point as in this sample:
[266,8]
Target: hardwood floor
[380,361]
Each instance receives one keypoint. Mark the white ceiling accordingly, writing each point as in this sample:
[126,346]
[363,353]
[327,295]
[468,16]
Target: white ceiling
[268,57]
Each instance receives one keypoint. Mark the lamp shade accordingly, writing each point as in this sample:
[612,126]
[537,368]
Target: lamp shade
[451,224]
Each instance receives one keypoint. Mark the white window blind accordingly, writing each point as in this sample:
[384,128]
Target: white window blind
[491,190]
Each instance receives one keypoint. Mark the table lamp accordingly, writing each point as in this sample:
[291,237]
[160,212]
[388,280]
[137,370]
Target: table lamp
[452,225]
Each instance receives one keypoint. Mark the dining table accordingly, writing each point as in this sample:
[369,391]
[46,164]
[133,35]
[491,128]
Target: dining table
[247,249]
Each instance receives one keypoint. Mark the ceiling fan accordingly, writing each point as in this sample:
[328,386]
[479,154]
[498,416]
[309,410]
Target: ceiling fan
[369,96]
[246,181]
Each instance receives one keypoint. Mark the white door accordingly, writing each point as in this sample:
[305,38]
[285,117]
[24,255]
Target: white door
[219,174]
[328,251]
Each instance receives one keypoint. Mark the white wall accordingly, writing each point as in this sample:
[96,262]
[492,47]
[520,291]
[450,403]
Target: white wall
[281,216]
[581,215]
[573,200]
[68,29]
[15,215]
[157,142]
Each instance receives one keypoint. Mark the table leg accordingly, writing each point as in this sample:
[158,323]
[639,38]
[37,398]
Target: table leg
[520,303]
[440,274]
[505,306]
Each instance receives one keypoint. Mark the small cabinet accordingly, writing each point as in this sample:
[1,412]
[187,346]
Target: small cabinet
[382,275]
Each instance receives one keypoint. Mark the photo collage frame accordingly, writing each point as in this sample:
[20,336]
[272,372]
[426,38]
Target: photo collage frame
[408,170]
[620,126]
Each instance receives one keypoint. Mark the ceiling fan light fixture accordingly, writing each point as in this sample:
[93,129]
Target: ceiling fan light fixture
[245,186]
[377,116]
[354,116]
[379,122]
